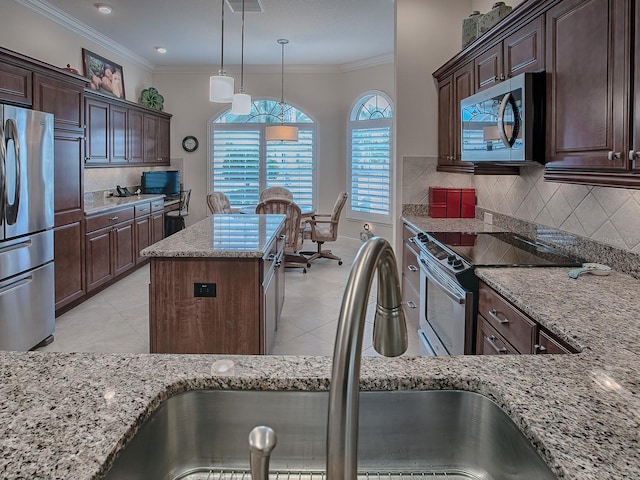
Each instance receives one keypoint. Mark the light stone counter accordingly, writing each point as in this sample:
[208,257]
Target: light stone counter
[66,416]
[94,205]
[232,235]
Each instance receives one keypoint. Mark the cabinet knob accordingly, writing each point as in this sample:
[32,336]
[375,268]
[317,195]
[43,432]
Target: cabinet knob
[612,156]
[502,78]
[411,304]
[113,219]
[633,155]
[412,268]
[539,349]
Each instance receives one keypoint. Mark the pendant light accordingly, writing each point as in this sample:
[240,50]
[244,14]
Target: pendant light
[282,132]
[221,85]
[241,103]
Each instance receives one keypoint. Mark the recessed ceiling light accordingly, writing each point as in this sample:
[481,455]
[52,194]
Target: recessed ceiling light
[104,9]
[161,50]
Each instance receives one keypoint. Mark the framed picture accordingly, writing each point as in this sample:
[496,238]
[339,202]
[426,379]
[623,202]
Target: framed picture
[105,76]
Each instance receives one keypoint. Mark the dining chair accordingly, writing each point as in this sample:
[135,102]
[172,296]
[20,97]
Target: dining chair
[292,230]
[218,202]
[174,219]
[324,228]
[275,192]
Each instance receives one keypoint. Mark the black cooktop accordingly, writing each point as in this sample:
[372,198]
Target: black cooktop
[503,249]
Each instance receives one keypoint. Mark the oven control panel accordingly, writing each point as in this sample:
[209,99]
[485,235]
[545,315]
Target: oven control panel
[438,252]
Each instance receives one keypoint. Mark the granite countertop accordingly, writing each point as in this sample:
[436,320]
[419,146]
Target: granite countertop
[94,205]
[67,415]
[221,235]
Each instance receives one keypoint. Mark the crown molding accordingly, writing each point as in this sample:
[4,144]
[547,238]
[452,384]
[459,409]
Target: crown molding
[61,18]
[273,69]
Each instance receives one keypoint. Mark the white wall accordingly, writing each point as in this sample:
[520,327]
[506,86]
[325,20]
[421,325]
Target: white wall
[325,97]
[29,33]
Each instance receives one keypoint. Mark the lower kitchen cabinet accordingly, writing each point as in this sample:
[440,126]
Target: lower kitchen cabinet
[69,263]
[503,329]
[410,279]
[109,244]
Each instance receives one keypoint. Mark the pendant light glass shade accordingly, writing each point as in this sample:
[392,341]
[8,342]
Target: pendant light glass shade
[221,86]
[241,104]
[282,132]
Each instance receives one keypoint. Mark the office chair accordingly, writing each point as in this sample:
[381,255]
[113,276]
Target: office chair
[174,220]
[324,228]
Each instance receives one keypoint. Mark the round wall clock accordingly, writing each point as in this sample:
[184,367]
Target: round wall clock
[190,143]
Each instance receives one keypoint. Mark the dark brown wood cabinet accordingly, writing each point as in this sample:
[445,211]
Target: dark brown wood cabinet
[503,329]
[98,128]
[69,250]
[119,123]
[588,88]
[136,135]
[410,278]
[15,84]
[150,138]
[109,244]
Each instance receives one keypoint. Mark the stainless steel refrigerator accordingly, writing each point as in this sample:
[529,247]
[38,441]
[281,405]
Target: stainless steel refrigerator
[27,304]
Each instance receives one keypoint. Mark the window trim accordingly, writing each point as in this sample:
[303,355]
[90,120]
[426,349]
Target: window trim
[378,122]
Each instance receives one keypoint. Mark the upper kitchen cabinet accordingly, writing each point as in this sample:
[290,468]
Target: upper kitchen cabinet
[522,51]
[121,133]
[590,55]
[15,84]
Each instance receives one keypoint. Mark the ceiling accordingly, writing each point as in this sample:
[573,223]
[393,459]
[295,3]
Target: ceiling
[321,32]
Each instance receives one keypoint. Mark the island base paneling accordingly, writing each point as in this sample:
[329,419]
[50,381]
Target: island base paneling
[180,322]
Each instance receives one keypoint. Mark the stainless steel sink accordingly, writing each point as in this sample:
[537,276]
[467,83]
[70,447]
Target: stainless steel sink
[449,435]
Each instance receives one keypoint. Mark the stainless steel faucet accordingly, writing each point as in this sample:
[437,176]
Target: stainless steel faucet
[389,339]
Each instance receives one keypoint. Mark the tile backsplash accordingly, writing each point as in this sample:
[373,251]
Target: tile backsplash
[607,215]
[99,179]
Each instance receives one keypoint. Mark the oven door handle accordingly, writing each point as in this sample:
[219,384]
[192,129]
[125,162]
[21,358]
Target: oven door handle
[427,270]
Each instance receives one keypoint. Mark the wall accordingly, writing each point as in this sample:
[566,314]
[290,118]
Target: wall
[607,215]
[325,97]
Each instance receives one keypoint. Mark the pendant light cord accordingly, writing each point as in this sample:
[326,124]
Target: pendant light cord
[242,54]
[282,42]
[221,72]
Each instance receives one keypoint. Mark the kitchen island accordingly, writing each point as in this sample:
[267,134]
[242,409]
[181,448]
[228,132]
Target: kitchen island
[217,286]
[68,415]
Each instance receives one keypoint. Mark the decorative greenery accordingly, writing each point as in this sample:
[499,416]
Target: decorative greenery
[149,97]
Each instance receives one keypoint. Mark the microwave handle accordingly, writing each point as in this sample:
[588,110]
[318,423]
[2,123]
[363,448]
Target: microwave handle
[508,141]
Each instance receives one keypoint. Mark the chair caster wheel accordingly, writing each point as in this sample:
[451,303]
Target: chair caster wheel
[304,270]
[339,262]
[308,265]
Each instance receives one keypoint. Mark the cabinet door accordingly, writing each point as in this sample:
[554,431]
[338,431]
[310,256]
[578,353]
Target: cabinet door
[68,174]
[157,227]
[99,266]
[269,311]
[164,127]
[150,138]
[548,344]
[63,99]
[490,342]
[588,80]
[15,84]
[463,80]
[634,147]
[488,68]
[143,236]
[445,121]
[118,121]
[68,243]
[97,115]
[524,50]
[123,247]
[136,136]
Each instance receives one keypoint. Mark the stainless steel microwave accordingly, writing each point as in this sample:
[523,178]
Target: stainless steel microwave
[505,123]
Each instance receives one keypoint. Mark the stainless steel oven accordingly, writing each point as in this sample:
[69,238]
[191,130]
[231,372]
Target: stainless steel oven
[449,285]
[447,311]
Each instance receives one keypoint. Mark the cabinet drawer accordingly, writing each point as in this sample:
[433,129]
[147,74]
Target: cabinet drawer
[157,206]
[410,266]
[490,342]
[408,232]
[97,222]
[548,344]
[142,209]
[411,300]
[509,322]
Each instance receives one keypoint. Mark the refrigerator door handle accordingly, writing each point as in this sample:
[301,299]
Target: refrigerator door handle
[11,133]
[18,284]
[3,155]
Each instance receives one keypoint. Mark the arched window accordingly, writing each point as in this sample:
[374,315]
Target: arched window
[370,156]
[242,163]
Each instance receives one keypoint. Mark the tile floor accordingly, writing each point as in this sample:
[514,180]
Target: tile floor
[116,319]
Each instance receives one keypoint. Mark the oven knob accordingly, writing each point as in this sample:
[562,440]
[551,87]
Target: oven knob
[451,259]
[457,264]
